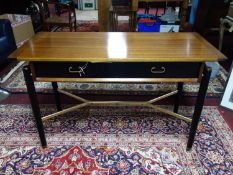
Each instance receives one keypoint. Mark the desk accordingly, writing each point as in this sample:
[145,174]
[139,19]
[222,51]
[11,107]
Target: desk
[117,57]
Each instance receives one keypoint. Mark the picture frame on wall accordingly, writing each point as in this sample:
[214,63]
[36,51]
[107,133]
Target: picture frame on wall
[227,98]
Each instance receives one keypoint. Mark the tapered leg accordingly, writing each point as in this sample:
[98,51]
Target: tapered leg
[130,22]
[178,96]
[116,23]
[133,21]
[199,105]
[57,96]
[111,21]
[71,26]
[75,26]
[221,34]
[34,104]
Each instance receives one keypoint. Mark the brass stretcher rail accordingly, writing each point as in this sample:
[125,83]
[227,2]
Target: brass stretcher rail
[117,103]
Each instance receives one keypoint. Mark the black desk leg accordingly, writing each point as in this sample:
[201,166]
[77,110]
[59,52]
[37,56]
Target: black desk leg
[199,105]
[57,96]
[34,104]
[178,96]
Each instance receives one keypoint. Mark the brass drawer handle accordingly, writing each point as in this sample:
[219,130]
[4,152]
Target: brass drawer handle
[155,71]
[80,70]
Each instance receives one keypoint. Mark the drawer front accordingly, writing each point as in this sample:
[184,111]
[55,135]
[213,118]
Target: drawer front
[116,70]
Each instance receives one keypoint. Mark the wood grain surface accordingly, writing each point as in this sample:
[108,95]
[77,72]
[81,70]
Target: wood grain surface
[117,47]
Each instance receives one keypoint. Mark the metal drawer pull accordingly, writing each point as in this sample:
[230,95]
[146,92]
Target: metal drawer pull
[80,70]
[161,71]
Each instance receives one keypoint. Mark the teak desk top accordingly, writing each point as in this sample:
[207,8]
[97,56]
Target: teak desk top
[117,47]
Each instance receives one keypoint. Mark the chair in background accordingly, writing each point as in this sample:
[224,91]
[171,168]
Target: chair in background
[7,41]
[7,45]
[55,14]
[143,5]
[157,6]
[226,23]
[122,8]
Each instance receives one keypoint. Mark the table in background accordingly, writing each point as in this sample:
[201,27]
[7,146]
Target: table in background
[104,6]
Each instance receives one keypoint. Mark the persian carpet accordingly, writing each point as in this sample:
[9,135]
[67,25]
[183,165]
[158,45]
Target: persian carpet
[93,26]
[113,140]
[16,84]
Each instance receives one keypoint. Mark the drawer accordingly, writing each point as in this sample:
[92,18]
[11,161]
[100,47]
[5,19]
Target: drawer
[117,70]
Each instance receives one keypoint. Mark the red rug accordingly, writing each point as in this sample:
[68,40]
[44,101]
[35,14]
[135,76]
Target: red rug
[130,140]
[93,26]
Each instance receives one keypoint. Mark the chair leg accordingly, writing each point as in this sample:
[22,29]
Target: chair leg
[221,34]
[111,21]
[75,26]
[71,26]
[134,21]
[45,27]
[114,22]
[130,22]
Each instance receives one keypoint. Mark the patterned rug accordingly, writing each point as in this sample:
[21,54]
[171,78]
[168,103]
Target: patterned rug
[109,140]
[16,84]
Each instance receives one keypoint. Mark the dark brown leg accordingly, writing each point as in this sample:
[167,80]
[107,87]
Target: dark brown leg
[75,26]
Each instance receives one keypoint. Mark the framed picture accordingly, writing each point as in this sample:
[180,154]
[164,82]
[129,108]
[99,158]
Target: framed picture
[227,99]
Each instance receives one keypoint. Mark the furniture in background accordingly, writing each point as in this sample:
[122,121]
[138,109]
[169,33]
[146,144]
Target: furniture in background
[21,25]
[7,41]
[87,4]
[207,23]
[22,28]
[183,11]
[157,6]
[7,46]
[227,98]
[208,13]
[122,8]
[34,11]
[55,14]
[115,57]
[144,5]
[14,7]
[23,7]
[226,24]
[193,11]
[104,6]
